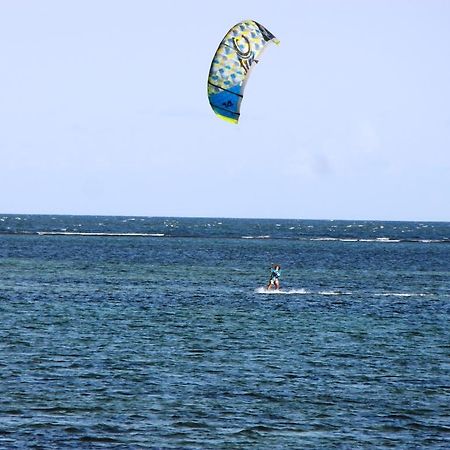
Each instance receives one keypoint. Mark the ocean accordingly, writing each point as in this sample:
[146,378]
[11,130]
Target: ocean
[141,332]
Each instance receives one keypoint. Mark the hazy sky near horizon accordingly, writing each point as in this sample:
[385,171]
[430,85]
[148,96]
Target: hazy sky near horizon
[103,110]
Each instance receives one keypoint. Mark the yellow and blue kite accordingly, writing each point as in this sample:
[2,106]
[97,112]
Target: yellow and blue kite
[237,54]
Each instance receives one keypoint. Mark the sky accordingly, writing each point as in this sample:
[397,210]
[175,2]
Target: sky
[103,110]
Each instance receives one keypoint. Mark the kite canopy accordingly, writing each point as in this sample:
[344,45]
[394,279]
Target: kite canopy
[237,54]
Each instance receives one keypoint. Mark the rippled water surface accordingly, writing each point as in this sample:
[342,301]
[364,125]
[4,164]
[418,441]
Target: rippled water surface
[148,333]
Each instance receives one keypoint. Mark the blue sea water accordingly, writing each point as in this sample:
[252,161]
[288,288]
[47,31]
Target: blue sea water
[136,332]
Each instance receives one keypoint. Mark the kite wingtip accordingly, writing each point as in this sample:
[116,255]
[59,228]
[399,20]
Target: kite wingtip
[227,119]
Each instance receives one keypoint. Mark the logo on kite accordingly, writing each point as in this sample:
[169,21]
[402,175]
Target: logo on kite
[246,57]
[237,54]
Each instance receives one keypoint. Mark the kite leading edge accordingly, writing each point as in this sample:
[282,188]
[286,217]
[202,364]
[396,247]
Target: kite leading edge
[237,54]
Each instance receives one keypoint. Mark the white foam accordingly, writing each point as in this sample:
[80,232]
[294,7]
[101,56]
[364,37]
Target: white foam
[324,239]
[402,294]
[263,290]
[385,239]
[302,291]
[81,233]
[334,293]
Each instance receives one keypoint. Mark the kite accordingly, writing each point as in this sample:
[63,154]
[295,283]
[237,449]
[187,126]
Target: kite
[237,54]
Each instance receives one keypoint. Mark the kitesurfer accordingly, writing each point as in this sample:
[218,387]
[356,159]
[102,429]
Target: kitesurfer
[275,273]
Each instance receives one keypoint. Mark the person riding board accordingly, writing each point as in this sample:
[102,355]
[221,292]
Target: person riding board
[274,281]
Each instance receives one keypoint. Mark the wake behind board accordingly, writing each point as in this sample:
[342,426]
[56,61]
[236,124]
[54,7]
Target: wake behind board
[301,291]
[264,290]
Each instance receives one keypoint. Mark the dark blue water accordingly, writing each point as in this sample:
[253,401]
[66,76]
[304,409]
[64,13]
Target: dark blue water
[121,332]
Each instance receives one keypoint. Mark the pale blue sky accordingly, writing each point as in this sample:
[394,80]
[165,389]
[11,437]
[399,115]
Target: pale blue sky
[103,110]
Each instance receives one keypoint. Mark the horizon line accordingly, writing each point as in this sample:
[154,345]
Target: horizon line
[223,217]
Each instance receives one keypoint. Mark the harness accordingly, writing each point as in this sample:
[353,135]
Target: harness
[275,274]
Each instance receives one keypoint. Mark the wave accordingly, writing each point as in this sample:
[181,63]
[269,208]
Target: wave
[382,240]
[87,233]
[189,234]
[342,239]
[403,294]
